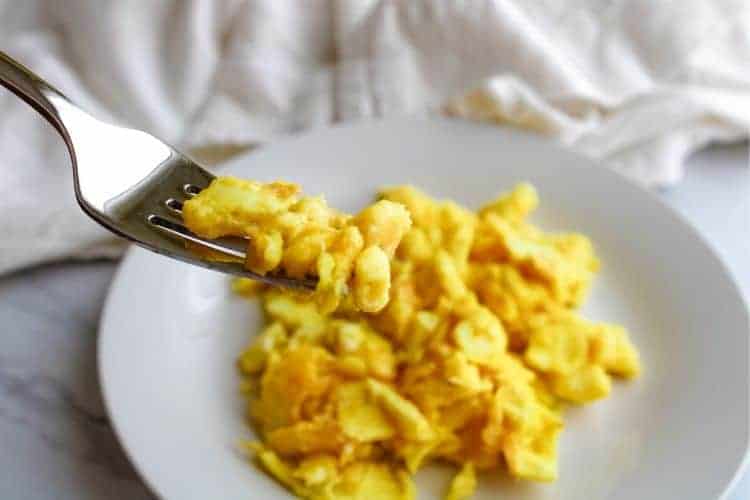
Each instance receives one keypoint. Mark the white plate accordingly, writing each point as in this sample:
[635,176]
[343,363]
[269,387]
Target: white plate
[170,332]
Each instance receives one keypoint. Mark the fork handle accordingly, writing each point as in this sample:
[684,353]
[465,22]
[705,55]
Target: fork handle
[36,92]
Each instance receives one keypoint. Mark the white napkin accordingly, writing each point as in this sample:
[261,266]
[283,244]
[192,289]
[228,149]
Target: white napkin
[640,83]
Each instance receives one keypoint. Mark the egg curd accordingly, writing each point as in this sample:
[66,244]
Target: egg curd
[470,359]
[304,237]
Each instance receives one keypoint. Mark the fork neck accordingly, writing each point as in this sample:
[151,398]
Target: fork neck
[40,95]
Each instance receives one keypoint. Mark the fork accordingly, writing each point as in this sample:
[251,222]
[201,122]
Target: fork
[130,182]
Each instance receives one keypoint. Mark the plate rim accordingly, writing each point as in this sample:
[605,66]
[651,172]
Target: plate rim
[133,252]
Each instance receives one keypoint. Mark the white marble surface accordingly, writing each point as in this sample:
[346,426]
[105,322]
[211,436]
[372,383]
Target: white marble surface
[55,440]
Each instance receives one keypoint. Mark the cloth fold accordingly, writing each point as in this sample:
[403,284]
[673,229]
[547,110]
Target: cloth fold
[639,84]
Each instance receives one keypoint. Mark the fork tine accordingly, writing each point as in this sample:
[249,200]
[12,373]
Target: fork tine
[180,231]
[191,189]
[174,205]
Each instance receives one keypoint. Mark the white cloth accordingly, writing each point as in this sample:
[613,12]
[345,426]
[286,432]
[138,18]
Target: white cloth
[637,83]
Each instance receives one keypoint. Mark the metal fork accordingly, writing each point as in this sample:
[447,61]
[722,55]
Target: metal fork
[131,182]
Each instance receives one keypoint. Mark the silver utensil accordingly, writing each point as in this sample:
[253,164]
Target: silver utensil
[131,182]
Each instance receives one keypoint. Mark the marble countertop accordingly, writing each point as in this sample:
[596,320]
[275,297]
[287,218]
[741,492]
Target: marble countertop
[55,440]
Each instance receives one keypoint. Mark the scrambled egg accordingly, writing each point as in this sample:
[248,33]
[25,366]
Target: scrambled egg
[303,237]
[470,359]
